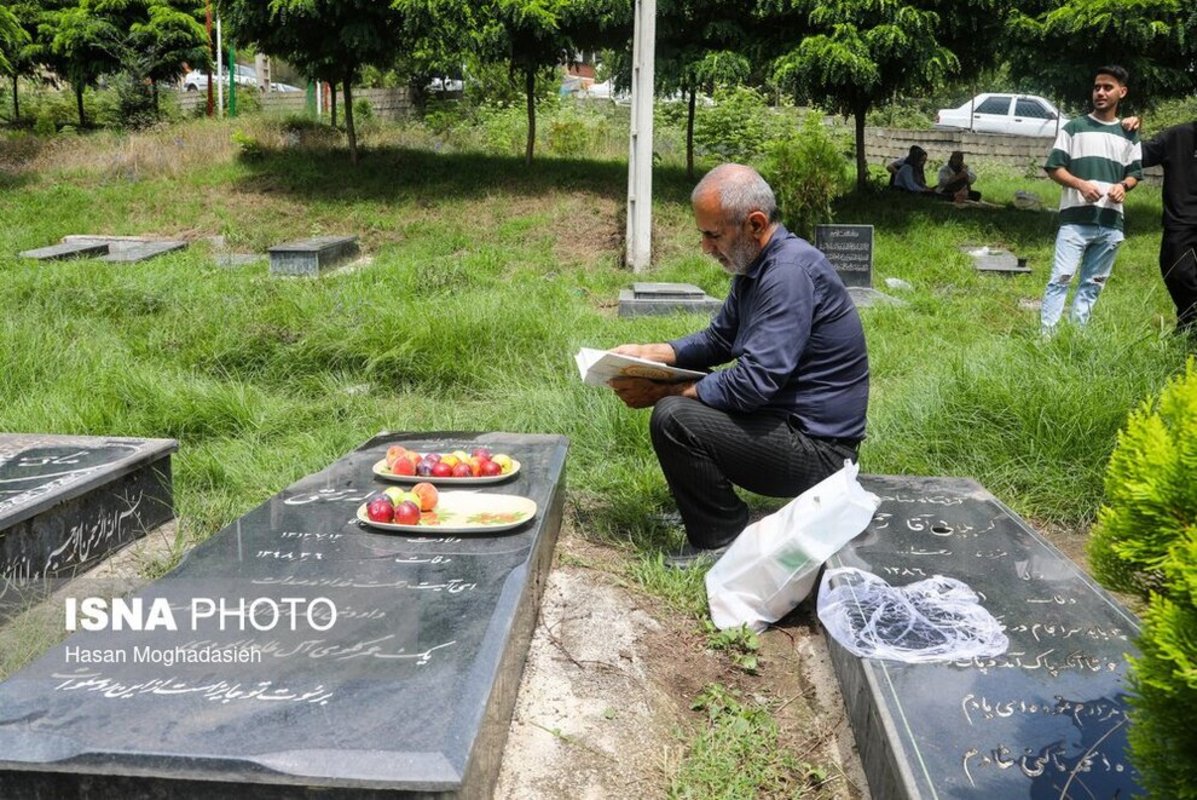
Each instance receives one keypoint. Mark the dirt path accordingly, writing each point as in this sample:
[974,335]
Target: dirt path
[604,705]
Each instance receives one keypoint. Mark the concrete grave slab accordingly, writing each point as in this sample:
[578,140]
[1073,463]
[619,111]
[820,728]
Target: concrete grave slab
[312,256]
[141,251]
[1046,719]
[666,298]
[67,501]
[395,678]
[58,252]
[995,259]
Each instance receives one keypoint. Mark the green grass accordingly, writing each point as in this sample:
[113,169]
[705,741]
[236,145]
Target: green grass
[485,277]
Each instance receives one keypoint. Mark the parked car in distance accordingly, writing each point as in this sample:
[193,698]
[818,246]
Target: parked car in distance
[196,81]
[284,87]
[1006,112]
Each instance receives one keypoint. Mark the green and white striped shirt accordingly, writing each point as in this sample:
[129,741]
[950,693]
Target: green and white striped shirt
[1096,151]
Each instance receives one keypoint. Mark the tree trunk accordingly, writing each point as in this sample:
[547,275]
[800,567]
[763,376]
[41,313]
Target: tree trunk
[530,91]
[862,164]
[349,120]
[16,103]
[154,96]
[690,134]
[79,105]
[332,104]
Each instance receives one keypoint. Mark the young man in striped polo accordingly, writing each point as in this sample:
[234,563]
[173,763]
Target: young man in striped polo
[1097,162]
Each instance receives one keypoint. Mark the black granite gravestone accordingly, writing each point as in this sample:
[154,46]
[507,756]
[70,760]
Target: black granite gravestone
[67,501]
[345,662]
[849,248]
[666,298]
[1048,719]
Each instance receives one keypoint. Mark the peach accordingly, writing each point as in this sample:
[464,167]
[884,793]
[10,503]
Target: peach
[427,494]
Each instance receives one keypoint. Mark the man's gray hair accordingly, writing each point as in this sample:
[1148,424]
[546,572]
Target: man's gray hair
[741,191]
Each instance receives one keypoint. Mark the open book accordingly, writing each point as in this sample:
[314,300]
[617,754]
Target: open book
[599,366]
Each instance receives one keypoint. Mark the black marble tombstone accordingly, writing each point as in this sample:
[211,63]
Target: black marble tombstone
[299,654]
[67,501]
[1048,719]
[849,248]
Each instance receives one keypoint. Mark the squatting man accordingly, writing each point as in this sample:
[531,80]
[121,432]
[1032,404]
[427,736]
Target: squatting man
[791,408]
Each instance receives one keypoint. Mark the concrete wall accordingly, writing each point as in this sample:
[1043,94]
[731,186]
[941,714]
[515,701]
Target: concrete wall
[389,104]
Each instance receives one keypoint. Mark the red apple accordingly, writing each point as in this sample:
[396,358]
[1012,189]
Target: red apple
[380,509]
[407,513]
[441,470]
[490,468]
[462,470]
[403,467]
[481,452]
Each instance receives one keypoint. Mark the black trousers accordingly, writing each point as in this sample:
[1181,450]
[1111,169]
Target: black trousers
[1178,265]
[704,452]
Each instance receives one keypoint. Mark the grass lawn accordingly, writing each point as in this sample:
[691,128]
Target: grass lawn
[484,277]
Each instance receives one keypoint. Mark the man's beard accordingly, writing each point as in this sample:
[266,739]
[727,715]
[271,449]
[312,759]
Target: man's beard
[740,255]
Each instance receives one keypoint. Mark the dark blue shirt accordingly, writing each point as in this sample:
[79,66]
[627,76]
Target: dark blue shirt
[797,340]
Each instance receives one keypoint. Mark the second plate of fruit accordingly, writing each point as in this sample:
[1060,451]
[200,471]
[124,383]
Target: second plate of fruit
[479,465]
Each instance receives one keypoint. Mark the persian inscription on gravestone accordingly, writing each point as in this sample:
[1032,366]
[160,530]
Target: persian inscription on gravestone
[1048,718]
[308,651]
[849,248]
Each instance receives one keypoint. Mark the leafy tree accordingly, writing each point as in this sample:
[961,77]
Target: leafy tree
[163,35]
[20,49]
[329,40]
[13,38]
[701,45]
[534,37]
[1145,542]
[1058,44]
[861,52]
[81,44]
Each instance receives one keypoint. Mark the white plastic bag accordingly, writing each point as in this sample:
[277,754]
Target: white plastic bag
[937,619]
[772,565]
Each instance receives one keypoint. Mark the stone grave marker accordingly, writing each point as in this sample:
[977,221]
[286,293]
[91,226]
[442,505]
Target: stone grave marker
[849,248]
[310,656]
[666,298]
[141,251]
[312,256]
[58,252]
[1046,719]
[67,501]
[996,260]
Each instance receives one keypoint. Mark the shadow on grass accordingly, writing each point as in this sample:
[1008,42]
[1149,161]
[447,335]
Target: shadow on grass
[404,174]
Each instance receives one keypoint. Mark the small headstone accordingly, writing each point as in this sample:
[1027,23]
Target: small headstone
[666,298]
[67,501]
[1048,718]
[390,670]
[67,250]
[140,251]
[995,259]
[849,248]
[312,256]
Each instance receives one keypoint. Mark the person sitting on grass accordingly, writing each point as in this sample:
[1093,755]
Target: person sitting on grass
[956,179]
[910,176]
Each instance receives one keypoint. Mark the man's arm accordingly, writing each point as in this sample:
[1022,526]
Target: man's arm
[1088,189]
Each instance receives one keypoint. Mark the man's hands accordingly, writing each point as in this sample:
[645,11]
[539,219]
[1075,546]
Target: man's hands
[1090,191]
[641,392]
[662,353]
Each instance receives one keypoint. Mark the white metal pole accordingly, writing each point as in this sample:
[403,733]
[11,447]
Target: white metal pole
[640,139]
[219,70]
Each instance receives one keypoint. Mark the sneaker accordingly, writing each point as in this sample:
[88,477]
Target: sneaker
[690,556]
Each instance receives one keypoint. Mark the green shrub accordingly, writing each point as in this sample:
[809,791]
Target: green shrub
[1145,542]
[734,128]
[807,171]
[44,125]
[572,132]
[362,110]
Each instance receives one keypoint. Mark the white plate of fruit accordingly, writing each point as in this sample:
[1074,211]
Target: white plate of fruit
[479,465]
[424,509]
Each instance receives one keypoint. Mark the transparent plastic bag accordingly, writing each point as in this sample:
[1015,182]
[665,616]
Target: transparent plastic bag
[772,566]
[937,619]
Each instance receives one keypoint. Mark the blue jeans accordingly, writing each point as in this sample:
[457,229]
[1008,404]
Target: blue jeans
[1092,247]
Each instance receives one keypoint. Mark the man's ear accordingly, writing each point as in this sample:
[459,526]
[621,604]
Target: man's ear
[758,222]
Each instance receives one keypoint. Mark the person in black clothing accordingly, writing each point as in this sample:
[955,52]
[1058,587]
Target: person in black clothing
[1176,151]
